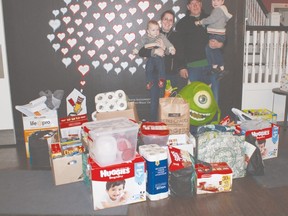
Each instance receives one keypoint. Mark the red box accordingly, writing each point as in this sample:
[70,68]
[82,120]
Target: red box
[70,126]
[125,183]
[218,180]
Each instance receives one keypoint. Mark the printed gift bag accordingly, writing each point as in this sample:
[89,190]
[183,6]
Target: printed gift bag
[174,112]
[214,146]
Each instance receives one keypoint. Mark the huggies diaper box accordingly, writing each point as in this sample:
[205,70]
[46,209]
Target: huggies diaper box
[118,184]
[267,140]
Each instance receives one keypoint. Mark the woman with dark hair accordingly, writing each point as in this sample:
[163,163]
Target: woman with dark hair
[171,62]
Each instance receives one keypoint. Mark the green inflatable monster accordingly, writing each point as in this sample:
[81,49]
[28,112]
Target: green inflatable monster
[203,106]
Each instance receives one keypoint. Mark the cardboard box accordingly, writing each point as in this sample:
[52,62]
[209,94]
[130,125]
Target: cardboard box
[267,140]
[67,169]
[130,112]
[47,124]
[218,180]
[70,126]
[104,179]
[183,142]
[264,114]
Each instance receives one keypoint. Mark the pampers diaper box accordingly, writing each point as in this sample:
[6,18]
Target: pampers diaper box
[118,184]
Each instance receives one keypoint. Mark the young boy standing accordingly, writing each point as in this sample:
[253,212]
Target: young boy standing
[152,39]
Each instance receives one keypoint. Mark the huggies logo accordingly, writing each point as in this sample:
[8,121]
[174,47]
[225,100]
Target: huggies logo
[40,123]
[115,172]
[261,133]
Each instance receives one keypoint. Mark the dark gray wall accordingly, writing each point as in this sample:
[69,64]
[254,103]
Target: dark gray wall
[34,65]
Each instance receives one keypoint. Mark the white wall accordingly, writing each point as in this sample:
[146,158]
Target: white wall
[6,115]
[260,96]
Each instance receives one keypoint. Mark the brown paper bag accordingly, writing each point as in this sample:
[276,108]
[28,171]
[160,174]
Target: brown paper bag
[174,112]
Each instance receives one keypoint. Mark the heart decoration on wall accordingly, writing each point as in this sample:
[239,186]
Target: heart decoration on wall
[95,35]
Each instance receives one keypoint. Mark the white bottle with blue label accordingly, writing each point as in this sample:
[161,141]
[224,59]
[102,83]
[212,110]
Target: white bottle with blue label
[157,171]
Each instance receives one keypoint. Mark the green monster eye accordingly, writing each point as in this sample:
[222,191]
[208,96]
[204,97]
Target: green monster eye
[202,99]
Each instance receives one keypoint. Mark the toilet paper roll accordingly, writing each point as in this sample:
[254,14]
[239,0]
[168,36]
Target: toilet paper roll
[120,94]
[121,105]
[110,96]
[100,98]
[111,106]
[101,107]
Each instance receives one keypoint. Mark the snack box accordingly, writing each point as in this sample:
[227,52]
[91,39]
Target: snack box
[128,179]
[264,114]
[111,141]
[219,179]
[154,133]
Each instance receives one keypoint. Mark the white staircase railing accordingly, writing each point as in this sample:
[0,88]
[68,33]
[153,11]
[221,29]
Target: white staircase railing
[265,60]
[265,55]
[255,16]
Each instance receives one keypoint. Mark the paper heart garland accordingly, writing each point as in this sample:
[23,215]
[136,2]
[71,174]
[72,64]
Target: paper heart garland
[55,12]
[94,35]
[143,5]
[108,66]
[88,4]
[83,69]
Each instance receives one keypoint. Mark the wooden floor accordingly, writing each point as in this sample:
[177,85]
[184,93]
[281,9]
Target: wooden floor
[246,199]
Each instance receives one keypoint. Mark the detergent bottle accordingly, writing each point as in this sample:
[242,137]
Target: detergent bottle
[168,89]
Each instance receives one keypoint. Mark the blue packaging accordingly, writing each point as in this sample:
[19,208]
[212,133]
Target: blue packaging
[157,171]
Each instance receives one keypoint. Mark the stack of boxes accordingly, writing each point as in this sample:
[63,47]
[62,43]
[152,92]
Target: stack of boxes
[117,173]
[66,155]
[103,154]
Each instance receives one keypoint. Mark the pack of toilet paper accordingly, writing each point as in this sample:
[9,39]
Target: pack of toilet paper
[111,101]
